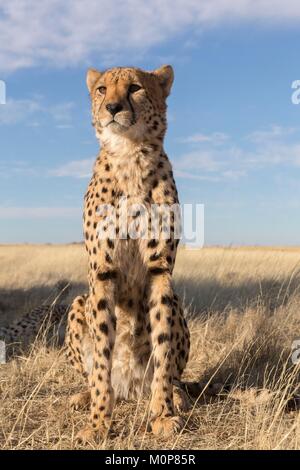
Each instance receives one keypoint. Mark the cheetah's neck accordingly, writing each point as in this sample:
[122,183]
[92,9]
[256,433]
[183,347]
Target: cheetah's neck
[132,163]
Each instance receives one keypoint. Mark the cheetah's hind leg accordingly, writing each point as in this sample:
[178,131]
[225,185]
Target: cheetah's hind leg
[76,333]
[181,348]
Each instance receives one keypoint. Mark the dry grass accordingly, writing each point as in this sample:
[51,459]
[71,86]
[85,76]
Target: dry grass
[243,308]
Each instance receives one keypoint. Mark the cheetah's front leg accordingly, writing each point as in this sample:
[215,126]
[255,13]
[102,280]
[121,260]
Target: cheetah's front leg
[102,324]
[163,420]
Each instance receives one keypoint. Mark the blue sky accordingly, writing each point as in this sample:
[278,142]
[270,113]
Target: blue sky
[233,133]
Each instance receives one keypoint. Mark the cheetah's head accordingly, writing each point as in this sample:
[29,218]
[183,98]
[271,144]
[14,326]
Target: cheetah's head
[129,102]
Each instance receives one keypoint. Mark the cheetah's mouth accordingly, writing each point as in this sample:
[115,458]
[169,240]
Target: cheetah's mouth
[113,121]
[118,125]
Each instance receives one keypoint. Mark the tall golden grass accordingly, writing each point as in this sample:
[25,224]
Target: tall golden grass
[243,308]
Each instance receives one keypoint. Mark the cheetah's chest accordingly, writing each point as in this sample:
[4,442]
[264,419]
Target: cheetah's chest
[131,245]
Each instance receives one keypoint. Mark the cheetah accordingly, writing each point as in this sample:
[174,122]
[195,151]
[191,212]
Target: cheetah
[45,321]
[129,334]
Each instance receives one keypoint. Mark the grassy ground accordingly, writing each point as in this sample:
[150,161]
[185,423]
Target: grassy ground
[243,308]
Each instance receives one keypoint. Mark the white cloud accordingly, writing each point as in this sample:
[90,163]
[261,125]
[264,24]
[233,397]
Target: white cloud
[13,212]
[75,169]
[228,163]
[274,132]
[15,111]
[62,114]
[34,110]
[231,161]
[71,32]
[279,154]
[203,160]
[16,167]
[214,138]
[233,174]
[194,176]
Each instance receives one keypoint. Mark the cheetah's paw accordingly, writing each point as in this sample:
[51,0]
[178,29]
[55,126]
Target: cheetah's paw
[80,400]
[85,436]
[167,426]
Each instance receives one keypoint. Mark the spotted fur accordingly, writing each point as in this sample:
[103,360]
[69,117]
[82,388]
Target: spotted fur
[45,321]
[129,333]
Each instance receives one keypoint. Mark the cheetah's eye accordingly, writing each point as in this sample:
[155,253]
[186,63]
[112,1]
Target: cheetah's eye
[133,88]
[102,90]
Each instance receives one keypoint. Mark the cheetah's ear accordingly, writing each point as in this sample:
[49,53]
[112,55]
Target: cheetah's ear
[91,78]
[165,74]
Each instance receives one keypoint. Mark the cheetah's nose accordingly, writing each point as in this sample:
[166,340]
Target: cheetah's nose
[114,108]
